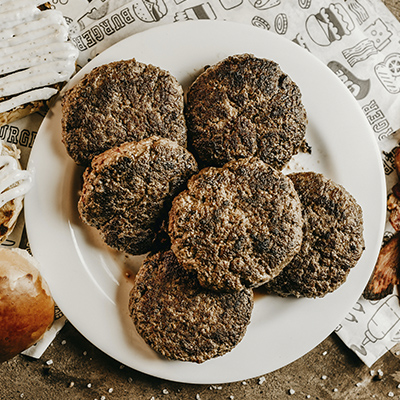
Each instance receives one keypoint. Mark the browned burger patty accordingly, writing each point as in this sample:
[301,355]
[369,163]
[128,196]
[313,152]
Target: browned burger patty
[121,102]
[127,190]
[332,239]
[181,320]
[236,226]
[245,106]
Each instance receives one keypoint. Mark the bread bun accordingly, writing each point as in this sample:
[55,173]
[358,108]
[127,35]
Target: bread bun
[26,305]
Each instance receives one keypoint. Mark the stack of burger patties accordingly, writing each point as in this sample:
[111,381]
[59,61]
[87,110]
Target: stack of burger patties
[197,183]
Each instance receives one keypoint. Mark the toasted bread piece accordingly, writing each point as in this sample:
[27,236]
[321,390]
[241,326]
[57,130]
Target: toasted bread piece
[386,272]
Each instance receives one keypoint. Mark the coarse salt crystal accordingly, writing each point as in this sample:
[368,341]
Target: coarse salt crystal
[261,380]
[198,397]
[292,391]
[324,353]
[110,390]
[165,391]
[324,377]
[390,394]
[89,385]
[49,362]
[244,383]
[64,342]
[358,384]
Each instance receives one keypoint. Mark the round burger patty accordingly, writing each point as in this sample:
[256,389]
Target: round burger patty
[121,102]
[245,106]
[236,226]
[181,320]
[332,239]
[127,191]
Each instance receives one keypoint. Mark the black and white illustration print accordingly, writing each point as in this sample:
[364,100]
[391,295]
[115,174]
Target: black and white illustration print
[360,13]
[299,40]
[201,11]
[96,11]
[230,4]
[264,4]
[260,22]
[388,73]
[305,3]
[330,24]
[385,321]
[150,10]
[359,88]
[378,36]
[281,24]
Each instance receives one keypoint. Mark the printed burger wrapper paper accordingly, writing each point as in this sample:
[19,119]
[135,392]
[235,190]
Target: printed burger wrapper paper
[359,40]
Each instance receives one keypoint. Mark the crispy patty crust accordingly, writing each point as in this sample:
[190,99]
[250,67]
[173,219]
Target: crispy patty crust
[236,226]
[128,189]
[332,239]
[181,320]
[121,102]
[245,106]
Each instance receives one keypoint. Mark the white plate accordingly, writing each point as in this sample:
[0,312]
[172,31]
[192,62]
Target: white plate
[88,281]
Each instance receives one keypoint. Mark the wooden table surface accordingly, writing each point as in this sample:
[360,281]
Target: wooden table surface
[72,368]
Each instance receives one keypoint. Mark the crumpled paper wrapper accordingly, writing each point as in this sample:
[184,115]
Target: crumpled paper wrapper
[371,328]
[357,39]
